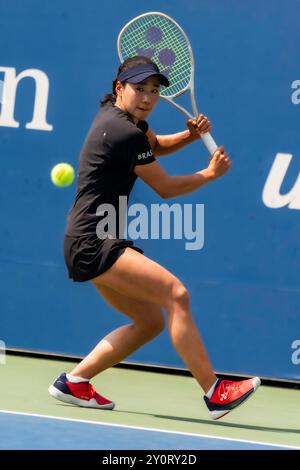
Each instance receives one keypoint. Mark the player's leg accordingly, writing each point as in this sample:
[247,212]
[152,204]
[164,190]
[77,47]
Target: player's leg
[147,322]
[140,278]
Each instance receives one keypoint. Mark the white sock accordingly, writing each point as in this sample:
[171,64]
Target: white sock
[211,390]
[75,380]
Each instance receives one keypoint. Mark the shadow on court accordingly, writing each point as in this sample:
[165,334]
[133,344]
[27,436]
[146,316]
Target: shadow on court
[203,421]
[214,423]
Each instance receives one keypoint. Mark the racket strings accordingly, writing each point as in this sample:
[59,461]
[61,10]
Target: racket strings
[162,41]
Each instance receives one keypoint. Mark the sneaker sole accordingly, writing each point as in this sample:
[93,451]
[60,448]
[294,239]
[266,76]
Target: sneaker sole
[219,414]
[55,393]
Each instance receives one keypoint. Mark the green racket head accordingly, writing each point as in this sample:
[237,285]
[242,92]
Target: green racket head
[160,38]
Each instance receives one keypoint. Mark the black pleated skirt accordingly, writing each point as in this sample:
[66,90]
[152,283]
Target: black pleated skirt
[87,257]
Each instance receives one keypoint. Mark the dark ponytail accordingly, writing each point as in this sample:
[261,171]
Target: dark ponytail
[110,97]
[127,64]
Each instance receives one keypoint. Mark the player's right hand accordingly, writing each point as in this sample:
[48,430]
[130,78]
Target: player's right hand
[219,162]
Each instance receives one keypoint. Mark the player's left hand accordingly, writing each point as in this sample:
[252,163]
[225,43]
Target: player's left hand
[199,125]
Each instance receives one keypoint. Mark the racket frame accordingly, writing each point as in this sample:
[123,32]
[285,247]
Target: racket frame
[207,138]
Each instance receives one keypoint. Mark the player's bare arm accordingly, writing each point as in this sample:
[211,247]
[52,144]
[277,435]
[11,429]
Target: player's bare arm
[168,186]
[166,144]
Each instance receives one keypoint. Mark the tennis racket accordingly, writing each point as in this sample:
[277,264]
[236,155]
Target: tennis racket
[159,37]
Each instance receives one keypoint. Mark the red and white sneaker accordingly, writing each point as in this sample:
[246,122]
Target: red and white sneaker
[228,395]
[80,394]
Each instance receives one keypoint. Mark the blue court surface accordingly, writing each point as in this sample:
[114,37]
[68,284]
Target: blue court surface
[34,432]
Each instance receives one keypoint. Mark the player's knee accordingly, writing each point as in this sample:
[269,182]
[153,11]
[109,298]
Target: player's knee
[180,295]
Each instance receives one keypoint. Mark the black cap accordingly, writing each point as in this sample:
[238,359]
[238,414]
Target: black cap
[140,72]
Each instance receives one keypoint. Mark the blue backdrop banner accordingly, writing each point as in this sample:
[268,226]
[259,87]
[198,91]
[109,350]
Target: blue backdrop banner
[241,262]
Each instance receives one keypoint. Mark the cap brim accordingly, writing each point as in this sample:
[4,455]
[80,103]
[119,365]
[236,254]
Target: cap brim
[142,76]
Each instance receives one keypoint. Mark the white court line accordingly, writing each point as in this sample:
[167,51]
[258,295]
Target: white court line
[147,429]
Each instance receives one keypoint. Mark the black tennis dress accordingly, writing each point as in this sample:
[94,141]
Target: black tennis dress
[113,147]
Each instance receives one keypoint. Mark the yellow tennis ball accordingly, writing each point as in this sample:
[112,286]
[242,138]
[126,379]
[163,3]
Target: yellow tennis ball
[62,174]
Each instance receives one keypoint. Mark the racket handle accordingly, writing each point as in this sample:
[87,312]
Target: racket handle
[209,142]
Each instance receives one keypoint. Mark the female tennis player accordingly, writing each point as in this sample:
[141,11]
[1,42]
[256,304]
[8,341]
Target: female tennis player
[119,148]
